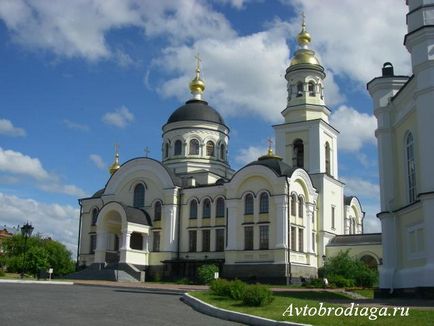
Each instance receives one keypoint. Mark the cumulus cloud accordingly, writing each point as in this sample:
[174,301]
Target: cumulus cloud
[361,187]
[75,126]
[8,129]
[119,118]
[371,224]
[356,45]
[250,154]
[356,129]
[98,161]
[21,165]
[59,222]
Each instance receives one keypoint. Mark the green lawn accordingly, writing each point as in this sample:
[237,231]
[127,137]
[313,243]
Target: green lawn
[300,299]
[367,293]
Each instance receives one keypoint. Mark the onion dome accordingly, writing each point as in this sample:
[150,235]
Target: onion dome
[304,55]
[115,166]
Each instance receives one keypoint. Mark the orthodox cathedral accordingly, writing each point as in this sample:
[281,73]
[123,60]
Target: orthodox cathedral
[276,218]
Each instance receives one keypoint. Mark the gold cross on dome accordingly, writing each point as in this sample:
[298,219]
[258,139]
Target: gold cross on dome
[147,151]
[270,142]
[198,60]
[116,148]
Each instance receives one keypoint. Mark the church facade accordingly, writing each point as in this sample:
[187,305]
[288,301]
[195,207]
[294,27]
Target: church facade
[403,106]
[272,219]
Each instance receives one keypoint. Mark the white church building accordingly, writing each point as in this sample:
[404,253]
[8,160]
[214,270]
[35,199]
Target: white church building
[272,219]
[404,107]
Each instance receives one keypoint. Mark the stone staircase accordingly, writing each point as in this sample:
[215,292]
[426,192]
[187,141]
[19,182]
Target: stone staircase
[110,272]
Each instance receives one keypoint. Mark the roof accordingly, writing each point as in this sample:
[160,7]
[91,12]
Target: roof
[275,164]
[99,193]
[196,110]
[355,239]
[137,215]
[348,199]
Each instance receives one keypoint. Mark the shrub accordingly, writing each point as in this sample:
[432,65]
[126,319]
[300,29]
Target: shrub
[2,273]
[315,283]
[366,278]
[340,281]
[257,295]
[206,273]
[237,289]
[221,287]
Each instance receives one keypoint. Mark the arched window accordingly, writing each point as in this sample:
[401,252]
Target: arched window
[206,208]
[220,207]
[411,168]
[298,154]
[311,88]
[299,89]
[94,216]
[293,204]
[222,152]
[194,147]
[178,147]
[263,203]
[248,204]
[300,206]
[166,150]
[157,211]
[210,148]
[139,195]
[327,158]
[193,209]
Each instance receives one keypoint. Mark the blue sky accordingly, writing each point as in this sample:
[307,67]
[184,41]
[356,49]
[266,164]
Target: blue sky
[76,77]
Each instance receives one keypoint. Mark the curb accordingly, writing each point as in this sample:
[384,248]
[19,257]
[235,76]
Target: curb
[238,317]
[37,282]
[136,288]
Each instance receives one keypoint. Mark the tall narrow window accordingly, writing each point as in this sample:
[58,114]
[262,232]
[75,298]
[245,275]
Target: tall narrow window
[311,88]
[263,203]
[333,217]
[206,208]
[263,237]
[192,240]
[300,240]
[298,154]
[411,168]
[210,148]
[166,150]
[220,207]
[194,147]
[327,158]
[139,195]
[300,206]
[222,152]
[156,241]
[248,238]
[178,147]
[293,238]
[219,240]
[193,209]
[293,204]
[248,204]
[94,216]
[206,240]
[92,243]
[313,241]
[299,89]
[157,211]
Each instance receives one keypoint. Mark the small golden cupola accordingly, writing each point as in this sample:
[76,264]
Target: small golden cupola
[197,85]
[115,166]
[304,55]
[270,153]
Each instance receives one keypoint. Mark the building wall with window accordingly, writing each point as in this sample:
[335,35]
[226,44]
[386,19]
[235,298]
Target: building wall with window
[403,108]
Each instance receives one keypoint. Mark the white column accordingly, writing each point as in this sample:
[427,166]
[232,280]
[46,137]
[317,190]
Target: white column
[281,221]
[308,236]
[169,221]
[126,235]
[145,244]
[232,225]
[389,267]
[101,246]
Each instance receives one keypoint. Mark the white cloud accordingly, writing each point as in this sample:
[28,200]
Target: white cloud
[119,118]
[356,45]
[59,222]
[18,163]
[21,165]
[371,224]
[74,125]
[8,129]
[98,161]
[356,129]
[250,154]
[238,4]
[361,187]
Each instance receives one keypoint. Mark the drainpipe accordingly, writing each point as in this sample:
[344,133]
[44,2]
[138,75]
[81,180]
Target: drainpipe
[79,236]
[288,250]
[179,222]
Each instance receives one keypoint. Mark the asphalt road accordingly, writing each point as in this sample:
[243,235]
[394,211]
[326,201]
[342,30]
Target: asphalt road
[34,304]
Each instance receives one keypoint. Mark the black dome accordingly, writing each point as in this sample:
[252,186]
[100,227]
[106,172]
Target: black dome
[276,165]
[196,110]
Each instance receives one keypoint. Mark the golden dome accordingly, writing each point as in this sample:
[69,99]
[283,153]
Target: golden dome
[115,166]
[197,85]
[304,56]
[303,38]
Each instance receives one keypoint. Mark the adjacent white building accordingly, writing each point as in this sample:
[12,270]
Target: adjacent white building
[272,219]
[404,107]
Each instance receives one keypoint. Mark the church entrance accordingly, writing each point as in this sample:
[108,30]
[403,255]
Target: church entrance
[109,232]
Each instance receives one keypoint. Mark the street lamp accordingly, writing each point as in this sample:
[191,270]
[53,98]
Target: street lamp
[26,231]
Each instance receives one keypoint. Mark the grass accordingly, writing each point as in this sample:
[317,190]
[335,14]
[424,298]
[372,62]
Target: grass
[312,299]
[367,293]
